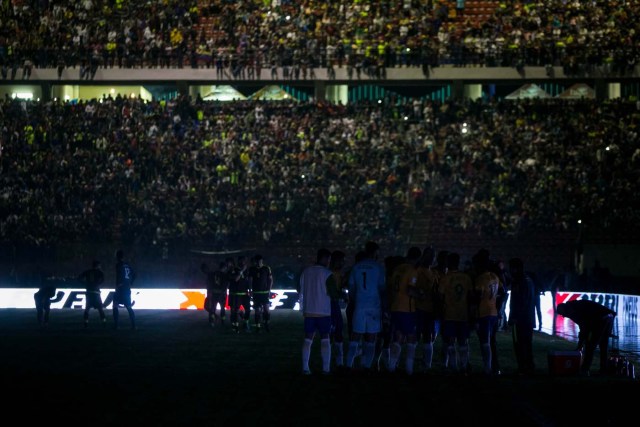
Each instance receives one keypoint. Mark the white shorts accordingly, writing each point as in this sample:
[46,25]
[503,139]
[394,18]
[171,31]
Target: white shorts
[367,321]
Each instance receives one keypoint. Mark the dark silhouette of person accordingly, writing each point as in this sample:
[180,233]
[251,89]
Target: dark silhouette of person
[522,315]
[43,298]
[125,276]
[596,323]
[92,278]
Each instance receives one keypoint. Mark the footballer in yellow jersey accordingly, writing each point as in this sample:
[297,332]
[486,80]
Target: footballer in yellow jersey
[487,285]
[456,289]
[404,293]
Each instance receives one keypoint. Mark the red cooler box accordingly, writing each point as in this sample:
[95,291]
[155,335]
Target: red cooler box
[564,362]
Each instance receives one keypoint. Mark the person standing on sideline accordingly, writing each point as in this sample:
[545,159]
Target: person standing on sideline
[404,293]
[486,286]
[335,289]
[596,323]
[240,295]
[125,276]
[262,281]
[456,288]
[43,298]
[217,283]
[522,315]
[367,287]
[92,278]
[315,304]
[351,303]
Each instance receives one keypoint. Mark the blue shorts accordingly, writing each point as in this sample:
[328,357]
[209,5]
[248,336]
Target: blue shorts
[320,324]
[367,321]
[427,324]
[403,322]
[486,327]
[456,330]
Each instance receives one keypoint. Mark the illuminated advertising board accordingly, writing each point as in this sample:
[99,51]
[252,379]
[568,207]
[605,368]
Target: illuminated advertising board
[157,299]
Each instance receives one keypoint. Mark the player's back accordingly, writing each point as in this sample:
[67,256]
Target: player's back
[404,277]
[366,283]
[427,282]
[261,278]
[455,288]
[487,284]
[124,274]
[314,298]
[219,281]
[92,279]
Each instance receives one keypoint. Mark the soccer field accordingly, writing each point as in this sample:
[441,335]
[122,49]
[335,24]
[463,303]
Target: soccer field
[176,370]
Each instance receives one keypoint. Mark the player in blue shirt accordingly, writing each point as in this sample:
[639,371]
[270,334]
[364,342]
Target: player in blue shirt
[366,288]
[125,277]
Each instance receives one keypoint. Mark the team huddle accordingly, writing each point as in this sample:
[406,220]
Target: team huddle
[393,307]
[244,281]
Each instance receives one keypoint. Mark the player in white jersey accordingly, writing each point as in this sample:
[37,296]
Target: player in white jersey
[366,287]
[315,304]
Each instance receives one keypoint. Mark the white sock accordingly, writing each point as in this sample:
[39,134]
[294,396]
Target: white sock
[394,356]
[325,352]
[486,357]
[411,352]
[351,353]
[306,352]
[428,355]
[368,353]
[338,353]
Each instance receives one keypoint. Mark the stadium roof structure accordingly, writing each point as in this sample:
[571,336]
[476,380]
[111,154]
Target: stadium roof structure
[578,91]
[528,91]
[272,93]
[223,93]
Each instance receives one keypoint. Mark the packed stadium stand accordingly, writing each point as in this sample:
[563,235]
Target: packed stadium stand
[397,125]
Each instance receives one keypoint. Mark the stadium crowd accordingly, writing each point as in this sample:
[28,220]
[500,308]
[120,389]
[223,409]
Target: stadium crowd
[215,172]
[241,37]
